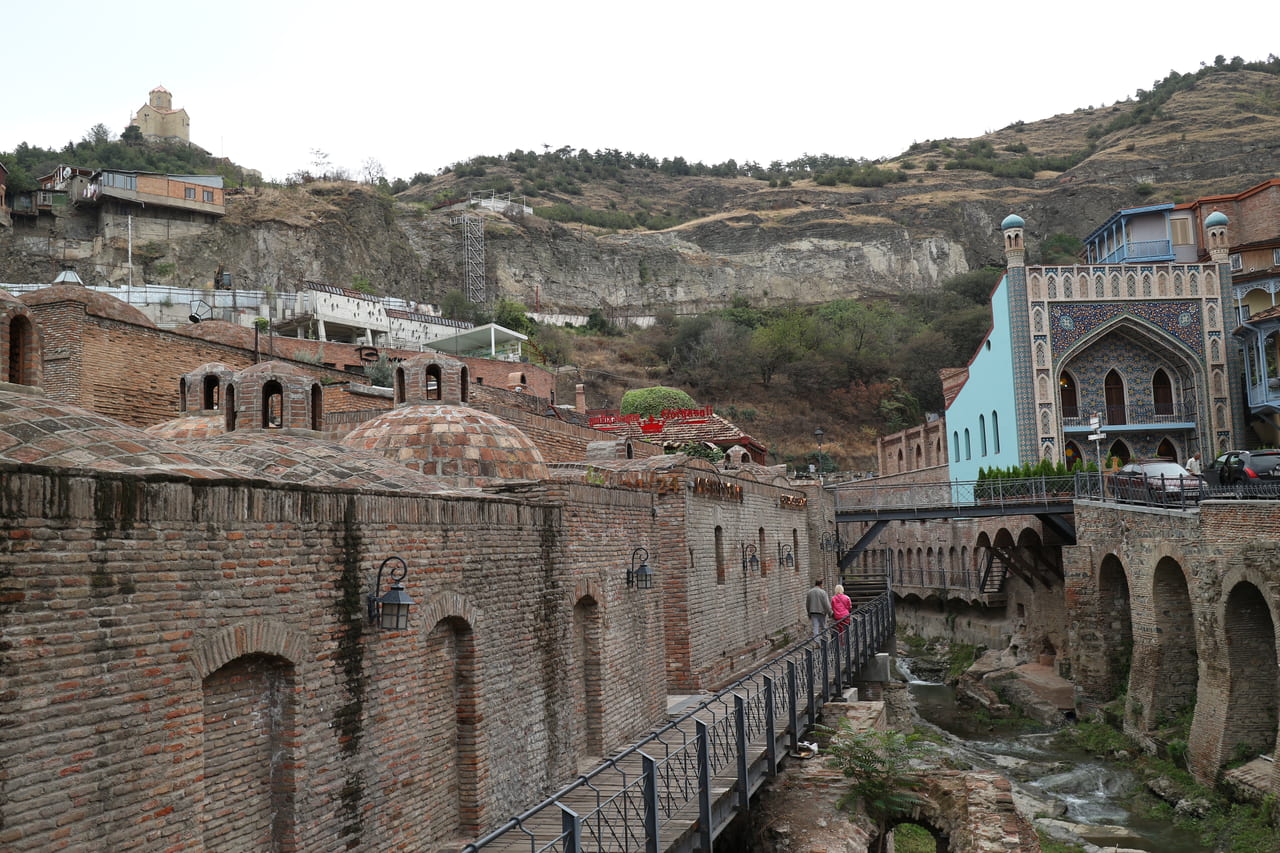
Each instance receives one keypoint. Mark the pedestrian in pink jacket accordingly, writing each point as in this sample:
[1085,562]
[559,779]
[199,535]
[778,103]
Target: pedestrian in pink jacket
[841,607]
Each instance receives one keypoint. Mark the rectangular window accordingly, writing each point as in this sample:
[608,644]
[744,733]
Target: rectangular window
[1181,231]
[1236,263]
[191,193]
[1275,257]
[208,196]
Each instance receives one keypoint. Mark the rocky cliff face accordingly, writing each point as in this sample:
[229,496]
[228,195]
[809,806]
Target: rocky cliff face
[804,243]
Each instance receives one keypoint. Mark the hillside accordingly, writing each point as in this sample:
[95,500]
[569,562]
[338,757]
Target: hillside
[637,237]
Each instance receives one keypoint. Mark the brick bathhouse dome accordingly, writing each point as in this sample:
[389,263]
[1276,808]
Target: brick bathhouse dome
[432,430]
[39,431]
[304,459]
[459,445]
[95,303]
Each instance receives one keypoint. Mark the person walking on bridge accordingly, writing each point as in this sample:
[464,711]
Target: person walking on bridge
[818,603]
[841,607]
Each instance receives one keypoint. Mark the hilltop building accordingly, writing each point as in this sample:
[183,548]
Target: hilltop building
[157,119]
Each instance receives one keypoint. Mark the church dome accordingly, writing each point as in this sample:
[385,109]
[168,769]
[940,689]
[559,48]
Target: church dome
[96,303]
[1013,220]
[1215,219]
[461,446]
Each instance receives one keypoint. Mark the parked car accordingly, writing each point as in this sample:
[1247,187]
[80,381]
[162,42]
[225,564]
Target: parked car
[1158,481]
[1249,472]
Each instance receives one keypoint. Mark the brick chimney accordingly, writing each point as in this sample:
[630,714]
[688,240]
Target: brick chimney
[580,401]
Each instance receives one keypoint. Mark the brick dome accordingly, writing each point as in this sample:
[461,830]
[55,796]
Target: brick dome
[459,445]
[38,431]
[305,459]
[96,303]
[190,426]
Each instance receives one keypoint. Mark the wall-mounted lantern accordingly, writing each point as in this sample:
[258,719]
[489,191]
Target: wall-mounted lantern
[831,542]
[390,611]
[640,577]
[785,557]
[750,562]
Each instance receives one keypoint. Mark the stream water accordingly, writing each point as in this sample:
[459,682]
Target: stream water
[1091,790]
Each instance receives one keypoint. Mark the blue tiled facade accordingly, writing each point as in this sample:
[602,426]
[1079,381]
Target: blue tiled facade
[1142,347]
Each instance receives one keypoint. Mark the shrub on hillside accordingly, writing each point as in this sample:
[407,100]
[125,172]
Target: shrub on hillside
[651,402]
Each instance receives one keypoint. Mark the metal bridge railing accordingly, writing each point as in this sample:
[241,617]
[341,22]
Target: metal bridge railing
[624,803]
[1012,492]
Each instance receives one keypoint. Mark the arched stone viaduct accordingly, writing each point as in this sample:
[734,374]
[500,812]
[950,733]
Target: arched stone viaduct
[1176,612]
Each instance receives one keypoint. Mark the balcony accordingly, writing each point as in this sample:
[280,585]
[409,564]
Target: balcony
[1133,416]
[1141,251]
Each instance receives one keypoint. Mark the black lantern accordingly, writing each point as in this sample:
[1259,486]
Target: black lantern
[391,610]
[640,577]
[785,558]
[831,542]
[750,562]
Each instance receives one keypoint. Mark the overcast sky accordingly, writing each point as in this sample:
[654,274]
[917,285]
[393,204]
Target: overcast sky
[418,85]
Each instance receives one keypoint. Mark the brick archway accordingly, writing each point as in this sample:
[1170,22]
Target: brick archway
[260,636]
[1165,657]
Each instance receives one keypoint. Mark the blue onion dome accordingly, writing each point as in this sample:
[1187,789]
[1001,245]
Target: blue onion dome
[1216,218]
[1013,220]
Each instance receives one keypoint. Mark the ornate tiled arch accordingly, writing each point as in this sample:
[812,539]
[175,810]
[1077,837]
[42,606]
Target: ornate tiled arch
[257,636]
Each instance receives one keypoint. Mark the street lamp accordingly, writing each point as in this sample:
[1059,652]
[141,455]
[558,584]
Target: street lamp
[750,562]
[640,577]
[390,611]
[818,434]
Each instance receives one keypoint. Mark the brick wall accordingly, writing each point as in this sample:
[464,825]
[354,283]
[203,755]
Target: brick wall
[161,638]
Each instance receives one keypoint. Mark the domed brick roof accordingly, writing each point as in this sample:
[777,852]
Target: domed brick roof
[304,459]
[189,426]
[95,303]
[38,431]
[459,445]
[276,368]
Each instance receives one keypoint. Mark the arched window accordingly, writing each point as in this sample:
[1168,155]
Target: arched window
[399,390]
[955,445]
[231,408]
[720,572]
[1071,456]
[317,406]
[272,405]
[919,457]
[995,431]
[21,355]
[1067,394]
[968,450]
[1120,450]
[1162,392]
[464,388]
[1113,390]
[182,394]
[982,434]
[209,393]
[435,383]
[764,556]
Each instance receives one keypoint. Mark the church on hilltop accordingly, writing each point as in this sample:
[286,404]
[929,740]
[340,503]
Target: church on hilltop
[157,119]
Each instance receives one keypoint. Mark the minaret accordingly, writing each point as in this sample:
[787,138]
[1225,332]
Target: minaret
[1215,232]
[1024,394]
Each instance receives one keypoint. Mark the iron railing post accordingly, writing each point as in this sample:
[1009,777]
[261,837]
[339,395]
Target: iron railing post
[740,736]
[771,739]
[793,700]
[571,829]
[811,705]
[839,682]
[650,769]
[824,648]
[704,786]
